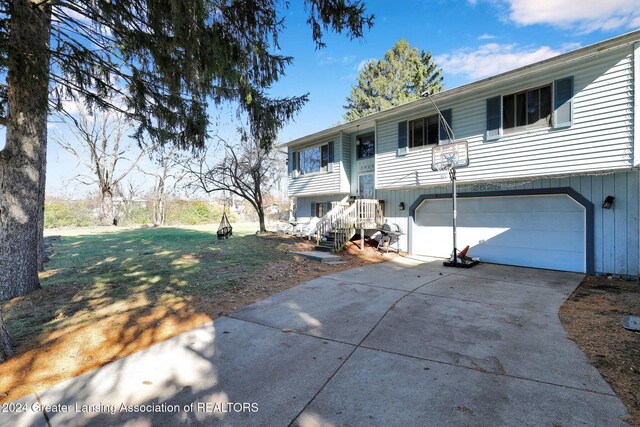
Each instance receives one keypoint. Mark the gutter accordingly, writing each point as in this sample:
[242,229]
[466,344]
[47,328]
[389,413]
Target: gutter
[562,59]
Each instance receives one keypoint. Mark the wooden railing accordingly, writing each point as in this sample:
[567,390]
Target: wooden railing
[327,222]
[345,218]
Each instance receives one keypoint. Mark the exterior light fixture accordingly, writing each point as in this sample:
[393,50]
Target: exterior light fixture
[401,206]
[608,202]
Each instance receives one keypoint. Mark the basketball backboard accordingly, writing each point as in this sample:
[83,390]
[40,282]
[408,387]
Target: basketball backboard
[450,156]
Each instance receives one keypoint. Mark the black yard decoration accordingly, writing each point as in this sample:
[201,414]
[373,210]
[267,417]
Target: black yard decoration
[225,230]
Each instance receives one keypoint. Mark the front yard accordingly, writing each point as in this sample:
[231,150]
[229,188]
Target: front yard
[592,316]
[110,292]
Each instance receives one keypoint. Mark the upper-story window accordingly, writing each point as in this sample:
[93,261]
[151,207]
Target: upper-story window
[313,160]
[423,131]
[527,109]
[542,107]
[366,146]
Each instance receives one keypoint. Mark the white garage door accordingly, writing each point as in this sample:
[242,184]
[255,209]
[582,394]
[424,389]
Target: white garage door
[543,231]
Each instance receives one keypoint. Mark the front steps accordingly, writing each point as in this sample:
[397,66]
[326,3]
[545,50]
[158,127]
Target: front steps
[327,244]
[322,256]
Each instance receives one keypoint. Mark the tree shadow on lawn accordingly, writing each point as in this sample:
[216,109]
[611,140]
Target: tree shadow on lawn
[109,295]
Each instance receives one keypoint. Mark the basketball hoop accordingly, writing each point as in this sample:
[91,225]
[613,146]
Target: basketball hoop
[447,158]
[450,156]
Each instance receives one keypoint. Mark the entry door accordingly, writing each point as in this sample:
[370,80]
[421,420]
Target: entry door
[366,188]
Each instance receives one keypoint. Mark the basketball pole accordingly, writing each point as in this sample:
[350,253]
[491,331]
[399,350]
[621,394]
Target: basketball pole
[452,175]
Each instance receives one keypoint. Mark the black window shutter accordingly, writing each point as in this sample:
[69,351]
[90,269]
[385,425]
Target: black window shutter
[291,164]
[402,134]
[330,154]
[313,209]
[563,102]
[494,115]
[447,115]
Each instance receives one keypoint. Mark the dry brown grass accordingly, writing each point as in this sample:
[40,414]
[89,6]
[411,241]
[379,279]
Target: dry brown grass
[101,302]
[592,316]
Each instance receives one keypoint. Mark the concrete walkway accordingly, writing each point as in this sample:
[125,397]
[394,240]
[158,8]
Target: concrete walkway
[395,344]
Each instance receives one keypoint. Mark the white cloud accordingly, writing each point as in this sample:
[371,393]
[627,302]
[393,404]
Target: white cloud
[486,36]
[585,15]
[492,58]
[363,63]
[332,60]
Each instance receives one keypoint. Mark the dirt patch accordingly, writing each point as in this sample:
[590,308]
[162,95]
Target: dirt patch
[593,318]
[88,327]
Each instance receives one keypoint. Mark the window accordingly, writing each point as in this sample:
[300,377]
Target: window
[526,109]
[316,159]
[423,131]
[366,146]
[310,160]
[320,209]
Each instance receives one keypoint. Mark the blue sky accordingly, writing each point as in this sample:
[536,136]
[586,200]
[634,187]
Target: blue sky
[469,39]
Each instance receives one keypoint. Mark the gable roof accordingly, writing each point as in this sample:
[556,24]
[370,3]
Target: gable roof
[575,55]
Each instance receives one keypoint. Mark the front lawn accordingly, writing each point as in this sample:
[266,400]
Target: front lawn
[110,292]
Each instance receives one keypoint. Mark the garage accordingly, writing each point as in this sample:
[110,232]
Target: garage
[530,230]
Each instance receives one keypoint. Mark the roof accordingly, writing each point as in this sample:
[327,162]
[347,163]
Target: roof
[578,54]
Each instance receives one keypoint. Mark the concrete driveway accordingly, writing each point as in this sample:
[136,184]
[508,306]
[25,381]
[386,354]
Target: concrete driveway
[395,344]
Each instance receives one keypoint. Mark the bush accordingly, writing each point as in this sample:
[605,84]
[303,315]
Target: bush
[137,215]
[190,212]
[67,214]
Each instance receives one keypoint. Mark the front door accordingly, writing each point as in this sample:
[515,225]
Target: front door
[366,189]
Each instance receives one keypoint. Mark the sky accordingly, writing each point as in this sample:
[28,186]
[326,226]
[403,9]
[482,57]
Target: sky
[469,39]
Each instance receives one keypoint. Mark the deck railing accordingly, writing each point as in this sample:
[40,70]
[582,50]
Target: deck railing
[345,218]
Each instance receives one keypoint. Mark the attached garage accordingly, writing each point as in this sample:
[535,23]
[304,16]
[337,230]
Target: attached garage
[548,230]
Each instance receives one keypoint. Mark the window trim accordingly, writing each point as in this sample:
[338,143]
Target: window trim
[551,124]
[324,166]
[547,124]
[371,135]
[425,145]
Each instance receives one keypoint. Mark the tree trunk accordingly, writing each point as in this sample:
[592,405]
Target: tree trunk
[42,251]
[23,158]
[263,228]
[106,208]
[6,346]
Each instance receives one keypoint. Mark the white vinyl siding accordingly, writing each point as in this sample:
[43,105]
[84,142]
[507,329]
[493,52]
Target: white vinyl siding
[345,170]
[327,181]
[304,205]
[599,139]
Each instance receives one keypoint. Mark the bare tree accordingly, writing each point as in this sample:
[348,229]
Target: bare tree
[245,170]
[168,175]
[98,145]
[127,193]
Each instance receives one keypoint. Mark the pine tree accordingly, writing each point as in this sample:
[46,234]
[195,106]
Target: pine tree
[402,76]
[168,59]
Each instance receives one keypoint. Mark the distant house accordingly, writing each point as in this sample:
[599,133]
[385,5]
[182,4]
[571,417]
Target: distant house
[548,144]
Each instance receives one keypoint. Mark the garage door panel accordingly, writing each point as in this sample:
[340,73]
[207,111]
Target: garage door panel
[537,258]
[546,231]
[513,239]
[561,221]
[519,204]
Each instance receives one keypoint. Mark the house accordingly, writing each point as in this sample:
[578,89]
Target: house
[552,180]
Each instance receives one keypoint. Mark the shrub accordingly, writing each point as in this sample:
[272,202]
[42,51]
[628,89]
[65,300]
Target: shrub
[67,214]
[137,215]
[189,212]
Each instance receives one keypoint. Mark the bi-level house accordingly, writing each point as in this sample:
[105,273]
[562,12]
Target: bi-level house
[552,180]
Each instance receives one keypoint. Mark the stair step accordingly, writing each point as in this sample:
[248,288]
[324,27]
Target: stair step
[320,256]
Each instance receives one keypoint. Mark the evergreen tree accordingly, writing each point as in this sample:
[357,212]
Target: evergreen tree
[168,59]
[402,76]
